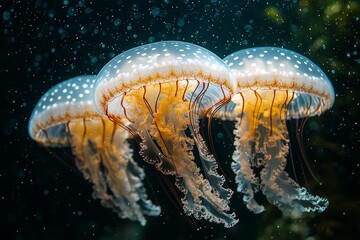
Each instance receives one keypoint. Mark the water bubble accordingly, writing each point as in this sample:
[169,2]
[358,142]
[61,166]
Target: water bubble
[181,22]
[248,28]
[93,59]
[71,11]
[88,10]
[167,25]
[82,3]
[137,15]
[155,11]
[207,8]
[117,22]
[151,39]
[6,15]
[83,30]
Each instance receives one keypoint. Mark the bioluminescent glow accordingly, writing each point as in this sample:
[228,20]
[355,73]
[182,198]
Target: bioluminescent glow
[274,85]
[156,94]
[65,117]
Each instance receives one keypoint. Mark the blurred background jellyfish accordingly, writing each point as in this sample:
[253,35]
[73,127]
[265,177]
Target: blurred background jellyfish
[65,117]
[162,89]
[274,85]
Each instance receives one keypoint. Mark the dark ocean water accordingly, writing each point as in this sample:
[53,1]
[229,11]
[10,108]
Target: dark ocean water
[44,196]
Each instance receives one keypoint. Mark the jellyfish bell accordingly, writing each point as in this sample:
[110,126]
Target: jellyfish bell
[162,89]
[65,117]
[62,103]
[274,85]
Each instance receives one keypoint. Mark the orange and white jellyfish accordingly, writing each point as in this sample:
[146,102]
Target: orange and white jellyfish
[163,89]
[65,117]
[274,85]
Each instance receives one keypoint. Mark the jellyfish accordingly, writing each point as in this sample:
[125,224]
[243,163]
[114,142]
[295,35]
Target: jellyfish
[163,89]
[65,117]
[274,85]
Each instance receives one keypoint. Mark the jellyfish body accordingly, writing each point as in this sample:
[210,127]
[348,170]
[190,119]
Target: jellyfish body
[274,85]
[65,117]
[163,89]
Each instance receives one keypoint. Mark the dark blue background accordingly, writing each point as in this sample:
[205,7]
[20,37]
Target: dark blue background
[43,196]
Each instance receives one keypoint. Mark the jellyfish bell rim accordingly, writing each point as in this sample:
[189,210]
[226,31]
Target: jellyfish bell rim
[58,114]
[303,84]
[106,89]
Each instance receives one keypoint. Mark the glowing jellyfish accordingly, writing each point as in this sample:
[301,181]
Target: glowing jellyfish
[65,117]
[274,85]
[162,89]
